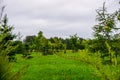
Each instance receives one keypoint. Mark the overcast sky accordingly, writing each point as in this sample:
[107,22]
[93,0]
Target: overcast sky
[60,18]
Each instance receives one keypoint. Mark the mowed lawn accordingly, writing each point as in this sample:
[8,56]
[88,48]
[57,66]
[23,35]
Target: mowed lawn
[54,67]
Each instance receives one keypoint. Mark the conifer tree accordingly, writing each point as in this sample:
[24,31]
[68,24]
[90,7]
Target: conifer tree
[6,48]
[104,32]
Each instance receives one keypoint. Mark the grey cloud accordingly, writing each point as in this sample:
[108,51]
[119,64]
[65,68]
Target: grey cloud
[53,17]
[66,8]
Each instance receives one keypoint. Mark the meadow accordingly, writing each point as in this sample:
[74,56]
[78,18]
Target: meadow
[58,66]
[39,57]
[54,67]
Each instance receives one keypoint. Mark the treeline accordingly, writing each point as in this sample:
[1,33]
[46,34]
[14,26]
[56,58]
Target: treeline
[52,45]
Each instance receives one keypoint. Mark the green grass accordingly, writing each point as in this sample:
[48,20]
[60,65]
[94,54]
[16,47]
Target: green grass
[54,67]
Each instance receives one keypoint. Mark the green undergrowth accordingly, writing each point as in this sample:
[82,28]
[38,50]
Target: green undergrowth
[103,71]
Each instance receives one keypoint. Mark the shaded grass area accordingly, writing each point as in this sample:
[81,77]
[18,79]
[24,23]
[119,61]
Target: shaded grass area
[53,67]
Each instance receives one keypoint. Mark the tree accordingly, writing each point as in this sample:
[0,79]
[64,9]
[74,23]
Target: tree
[74,40]
[58,44]
[68,44]
[20,46]
[29,43]
[104,31]
[81,44]
[5,49]
[5,66]
[20,49]
[106,25]
[7,31]
[38,41]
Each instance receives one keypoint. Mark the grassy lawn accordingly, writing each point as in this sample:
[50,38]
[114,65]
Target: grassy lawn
[54,67]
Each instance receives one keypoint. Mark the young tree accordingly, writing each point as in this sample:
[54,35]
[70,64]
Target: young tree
[106,25]
[7,30]
[5,66]
[104,31]
[5,49]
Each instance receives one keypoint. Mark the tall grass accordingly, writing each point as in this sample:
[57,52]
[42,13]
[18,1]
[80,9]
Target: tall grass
[105,72]
[70,66]
[54,67]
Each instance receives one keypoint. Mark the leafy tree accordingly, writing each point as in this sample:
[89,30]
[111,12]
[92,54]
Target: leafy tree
[81,44]
[68,44]
[74,42]
[38,41]
[20,49]
[29,43]
[27,47]
[41,44]
[20,46]
[44,46]
[58,44]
